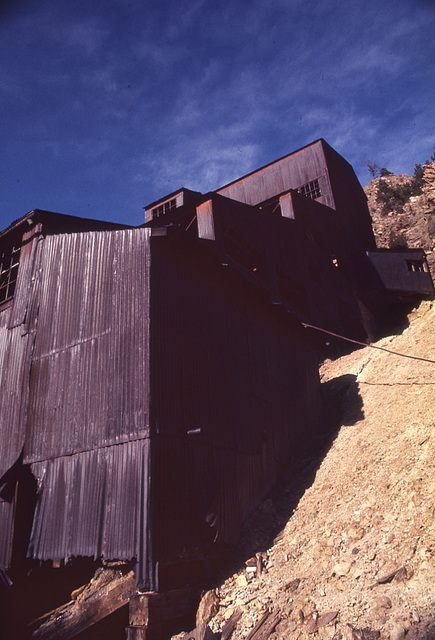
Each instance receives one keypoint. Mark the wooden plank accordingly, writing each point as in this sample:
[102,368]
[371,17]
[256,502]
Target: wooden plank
[150,608]
[108,590]
[204,214]
[268,626]
[264,626]
[230,625]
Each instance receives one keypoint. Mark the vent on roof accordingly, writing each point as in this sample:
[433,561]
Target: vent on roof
[9,262]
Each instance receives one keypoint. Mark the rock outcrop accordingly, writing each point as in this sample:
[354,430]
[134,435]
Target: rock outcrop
[410,225]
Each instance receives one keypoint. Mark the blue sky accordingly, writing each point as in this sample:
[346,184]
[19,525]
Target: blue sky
[106,106]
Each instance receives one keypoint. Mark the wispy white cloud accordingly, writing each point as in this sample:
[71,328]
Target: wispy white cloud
[146,97]
[184,16]
[203,163]
[81,36]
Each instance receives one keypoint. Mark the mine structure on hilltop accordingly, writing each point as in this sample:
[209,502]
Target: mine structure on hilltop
[155,379]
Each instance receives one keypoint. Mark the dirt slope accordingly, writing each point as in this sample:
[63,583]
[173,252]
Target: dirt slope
[369,510]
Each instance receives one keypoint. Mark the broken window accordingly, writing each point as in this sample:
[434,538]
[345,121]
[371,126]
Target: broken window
[311,189]
[9,262]
[163,208]
[415,265]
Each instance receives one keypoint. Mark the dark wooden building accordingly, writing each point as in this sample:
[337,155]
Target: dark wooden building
[154,380]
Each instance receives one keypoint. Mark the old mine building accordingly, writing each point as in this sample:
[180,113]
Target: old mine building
[154,380]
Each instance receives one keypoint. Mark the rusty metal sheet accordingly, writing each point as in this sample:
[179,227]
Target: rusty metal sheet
[229,378]
[92,332]
[26,273]
[7,512]
[290,172]
[15,353]
[94,504]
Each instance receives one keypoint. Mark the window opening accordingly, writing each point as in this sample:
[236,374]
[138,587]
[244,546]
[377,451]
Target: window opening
[415,265]
[163,208]
[9,261]
[311,189]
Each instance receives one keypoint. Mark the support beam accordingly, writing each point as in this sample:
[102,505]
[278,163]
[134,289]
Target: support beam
[150,614]
[108,591]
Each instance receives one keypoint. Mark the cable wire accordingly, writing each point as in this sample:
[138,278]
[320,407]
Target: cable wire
[363,344]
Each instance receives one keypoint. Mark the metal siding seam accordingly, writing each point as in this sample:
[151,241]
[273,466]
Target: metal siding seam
[72,499]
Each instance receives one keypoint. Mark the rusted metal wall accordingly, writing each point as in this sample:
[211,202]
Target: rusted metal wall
[338,184]
[230,381]
[89,392]
[95,504]
[349,196]
[15,352]
[298,259]
[74,379]
[89,376]
[289,172]
[7,512]
[15,357]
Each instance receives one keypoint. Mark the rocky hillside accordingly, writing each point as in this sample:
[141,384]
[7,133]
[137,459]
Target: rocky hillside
[345,549]
[401,219]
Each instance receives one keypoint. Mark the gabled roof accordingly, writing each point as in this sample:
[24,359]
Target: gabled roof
[60,222]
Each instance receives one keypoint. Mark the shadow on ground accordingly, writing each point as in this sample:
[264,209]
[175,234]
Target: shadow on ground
[342,406]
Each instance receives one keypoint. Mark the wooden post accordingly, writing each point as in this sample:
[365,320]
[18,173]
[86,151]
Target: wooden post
[150,613]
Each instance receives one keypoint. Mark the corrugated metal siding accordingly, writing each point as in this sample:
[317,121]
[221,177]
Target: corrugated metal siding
[349,196]
[7,510]
[89,379]
[26,274]
[84,347]
[190,350]
[224,362]
[94,504]
[15,352]
[287,173]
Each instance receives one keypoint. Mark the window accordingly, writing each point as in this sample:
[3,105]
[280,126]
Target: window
[415,265]
[311,189]
[9,261]
[163,208]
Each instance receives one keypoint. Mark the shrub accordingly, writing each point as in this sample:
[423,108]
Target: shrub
[394,197]
[373,169]
[384,172]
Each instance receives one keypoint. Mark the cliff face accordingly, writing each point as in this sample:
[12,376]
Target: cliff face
[404,224]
